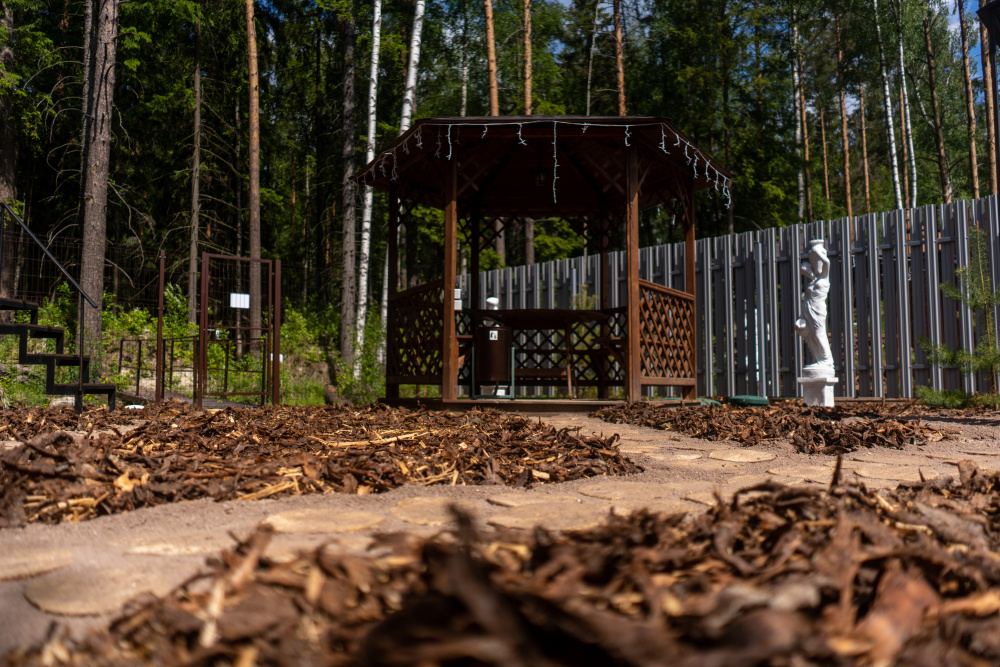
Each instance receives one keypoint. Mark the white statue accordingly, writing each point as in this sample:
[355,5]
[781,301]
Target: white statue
[818,377]
[812,325]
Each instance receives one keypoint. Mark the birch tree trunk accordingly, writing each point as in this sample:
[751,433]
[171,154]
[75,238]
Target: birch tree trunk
[906,103]
[348,286]
[465,63]
[864,150]
[366,211]
[412,66]
[195,181]
[938,129]
[527,57]
[409,102]
[887,108]
[590,62]
[491,59]
[619,57]
[239,216]
[95,198]
[846,146]
[253,202]
[970,107]
[988,95]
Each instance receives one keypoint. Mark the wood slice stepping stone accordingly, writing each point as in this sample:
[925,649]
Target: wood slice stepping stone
[629,507]
[525,499]
[287,548]
[18,561]
[673,457]
[552,516]
[890,459]
[804,473]
[744,481]
[702,498]
[184,545]
[100,591]
[319,521]
[615,490]
[896,473]
[431,511]
[699,446]
[742,455]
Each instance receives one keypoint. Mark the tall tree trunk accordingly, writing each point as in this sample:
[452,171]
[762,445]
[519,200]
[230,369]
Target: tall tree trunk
[887,108]
[864,150]
[8,148]
[906,103]
[8,145]
[590,60]
[529,241]
[465,65]
[846,146]
[619,57]
[412,67]
[805,142]
[527,57]
[988,96]
[348,285]
[500,244]
[902,138]
[826,164]
[409,102]
[797,87]
[95,200]
[366,211]
[491,59]
[938,130]
[970,106]
[85,97]
[256,319]
[195,181]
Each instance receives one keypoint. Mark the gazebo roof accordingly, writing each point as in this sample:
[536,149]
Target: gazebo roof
[543,165]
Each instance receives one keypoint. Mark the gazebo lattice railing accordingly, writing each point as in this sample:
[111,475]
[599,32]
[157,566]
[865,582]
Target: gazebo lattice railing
[596,173]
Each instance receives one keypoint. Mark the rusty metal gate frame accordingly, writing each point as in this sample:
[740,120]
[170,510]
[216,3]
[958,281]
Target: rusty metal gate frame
[273,330]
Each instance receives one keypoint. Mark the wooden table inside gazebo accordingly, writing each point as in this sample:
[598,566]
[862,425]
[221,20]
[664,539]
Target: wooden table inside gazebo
[597,173]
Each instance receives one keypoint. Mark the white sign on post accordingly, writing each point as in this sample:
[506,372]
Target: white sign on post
[494,335]
[237,300]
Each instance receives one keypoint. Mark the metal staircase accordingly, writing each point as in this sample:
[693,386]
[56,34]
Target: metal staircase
[25,331]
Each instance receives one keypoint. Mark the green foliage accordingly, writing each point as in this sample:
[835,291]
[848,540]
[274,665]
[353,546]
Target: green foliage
[371,385]
[955,399]
[976,291]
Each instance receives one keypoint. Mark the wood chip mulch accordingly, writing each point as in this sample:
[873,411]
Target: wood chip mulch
[178,453]
[781,576]
[812,430]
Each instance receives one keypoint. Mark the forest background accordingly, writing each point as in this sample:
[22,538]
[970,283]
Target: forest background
[820,110]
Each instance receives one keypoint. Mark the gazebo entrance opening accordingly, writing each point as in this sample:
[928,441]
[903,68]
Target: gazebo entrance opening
[596,173]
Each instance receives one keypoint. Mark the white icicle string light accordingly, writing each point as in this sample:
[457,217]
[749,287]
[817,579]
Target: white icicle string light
[555,164]
[692,153]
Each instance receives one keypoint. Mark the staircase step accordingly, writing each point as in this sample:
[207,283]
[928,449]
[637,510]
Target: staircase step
[14,304]
[108,390]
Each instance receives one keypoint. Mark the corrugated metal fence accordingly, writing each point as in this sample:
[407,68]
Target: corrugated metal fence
[885,296]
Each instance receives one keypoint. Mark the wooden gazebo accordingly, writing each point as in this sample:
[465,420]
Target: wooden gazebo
[596,172]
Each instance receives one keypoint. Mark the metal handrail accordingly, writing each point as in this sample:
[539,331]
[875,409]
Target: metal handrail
[6,210]
[41,245]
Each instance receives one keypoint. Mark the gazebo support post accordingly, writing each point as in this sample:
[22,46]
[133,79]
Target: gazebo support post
[605,287]
[633,355]
[691,392]
[449,381]
[392,390]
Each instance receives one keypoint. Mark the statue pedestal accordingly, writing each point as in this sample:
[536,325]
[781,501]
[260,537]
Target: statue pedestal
[818,391]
